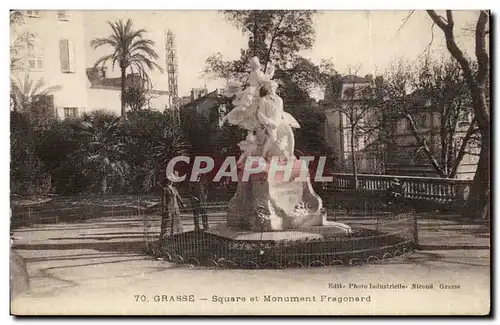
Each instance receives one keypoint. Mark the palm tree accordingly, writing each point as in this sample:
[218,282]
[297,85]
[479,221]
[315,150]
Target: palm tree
[19,42]
[130,50]
[103,149]
[152,138]
[25,92]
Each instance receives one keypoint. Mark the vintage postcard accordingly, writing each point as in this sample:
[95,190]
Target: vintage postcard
[250,162]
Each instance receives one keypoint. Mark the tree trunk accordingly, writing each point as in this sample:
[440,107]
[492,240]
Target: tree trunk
[423,145]
[123,78]
[268,57]
[353,161]
[104,185]
[477,205]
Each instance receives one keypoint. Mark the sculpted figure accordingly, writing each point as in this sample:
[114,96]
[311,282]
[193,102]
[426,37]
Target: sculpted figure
[247,100]
[278,124]
[271,203]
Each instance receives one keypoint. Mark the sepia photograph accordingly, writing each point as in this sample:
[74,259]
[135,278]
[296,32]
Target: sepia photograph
[250,162]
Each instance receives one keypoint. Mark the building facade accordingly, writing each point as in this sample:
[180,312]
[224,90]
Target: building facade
[57,56]
[56,39]
[210,105]
[104,93]
[403,153]
[348,116]
[391,147]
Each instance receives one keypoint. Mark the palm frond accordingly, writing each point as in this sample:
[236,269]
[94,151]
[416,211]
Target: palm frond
[103,60]
[40,83]
[116,30]
[102,41]
[139,58]
[145,50]
[128,27]
[143,42]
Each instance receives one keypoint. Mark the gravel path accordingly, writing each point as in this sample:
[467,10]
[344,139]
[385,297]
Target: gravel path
[97,267]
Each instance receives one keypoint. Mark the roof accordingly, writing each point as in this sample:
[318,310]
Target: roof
[214,94]
[133,79]
[96,80]
[420,99]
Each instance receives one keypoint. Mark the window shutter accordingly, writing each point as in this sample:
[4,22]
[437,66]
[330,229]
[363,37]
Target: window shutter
[67,56]
[62,14]
[71,56]
[64,54]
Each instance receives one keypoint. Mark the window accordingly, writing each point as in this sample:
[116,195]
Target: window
[62,15]
[33,13]
[35,57]
[70,112]
[464,119]
[67,56]
[349,93]
[347,141]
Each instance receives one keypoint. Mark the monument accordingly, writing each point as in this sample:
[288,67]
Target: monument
[275,219]
[280,198]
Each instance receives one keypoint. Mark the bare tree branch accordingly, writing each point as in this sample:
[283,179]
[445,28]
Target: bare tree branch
[449,18]
[268,57]
[440,21]
[428,47]
[406,19]
[423,145]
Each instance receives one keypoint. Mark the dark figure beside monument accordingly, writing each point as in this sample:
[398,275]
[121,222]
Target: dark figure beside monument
[170,201]
[394,193]
[198,202]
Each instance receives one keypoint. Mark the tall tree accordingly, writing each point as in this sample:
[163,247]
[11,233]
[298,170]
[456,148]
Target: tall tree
[102,150]
[33,98]
[276,36]
[433,100]
[130,50]
[478,203]
[273,35]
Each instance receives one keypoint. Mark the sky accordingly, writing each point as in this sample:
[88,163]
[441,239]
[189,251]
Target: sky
[367,40]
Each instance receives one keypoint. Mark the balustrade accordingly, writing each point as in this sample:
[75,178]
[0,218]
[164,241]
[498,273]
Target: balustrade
[439,190]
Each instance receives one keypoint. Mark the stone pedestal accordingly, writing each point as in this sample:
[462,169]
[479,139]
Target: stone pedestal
[265,203]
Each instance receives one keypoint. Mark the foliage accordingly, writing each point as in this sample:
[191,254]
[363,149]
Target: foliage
[130,50]
[478,82]
[102,151]
[301,77]
[275,36]
[135,97]
[152,139]
[27,176]
[97,152]
[28,94]
[434,92]
[198,130]
[58,145]
[19,41]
